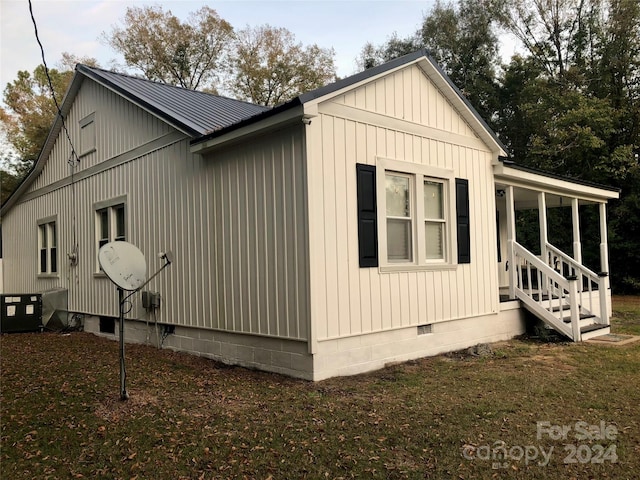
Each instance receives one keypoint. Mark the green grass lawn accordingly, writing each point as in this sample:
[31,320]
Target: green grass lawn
[439,417]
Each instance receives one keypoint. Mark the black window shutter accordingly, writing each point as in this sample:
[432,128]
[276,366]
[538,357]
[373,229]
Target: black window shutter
[367,215]
[463,223]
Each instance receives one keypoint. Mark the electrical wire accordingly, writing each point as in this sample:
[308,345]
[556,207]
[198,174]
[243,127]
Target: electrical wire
[73,158]
[74,155]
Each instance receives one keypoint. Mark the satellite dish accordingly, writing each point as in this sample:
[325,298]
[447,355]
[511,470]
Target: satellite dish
[124,264]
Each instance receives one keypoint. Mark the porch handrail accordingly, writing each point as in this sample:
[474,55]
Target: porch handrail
[572,261]
[541,265]
[581,271]
[551,283]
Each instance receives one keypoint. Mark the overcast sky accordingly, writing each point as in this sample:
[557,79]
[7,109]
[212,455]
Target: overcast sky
[75,26]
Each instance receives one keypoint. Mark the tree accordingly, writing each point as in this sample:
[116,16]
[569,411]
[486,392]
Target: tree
[31,110]
[516,93]
[188,54]
[618,74]
[462,40]
[572,107]
[268,67]
[394,47]
[548,29]
[9,180]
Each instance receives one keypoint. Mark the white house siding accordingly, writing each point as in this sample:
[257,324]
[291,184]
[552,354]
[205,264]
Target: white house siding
[400,117]
[235,221]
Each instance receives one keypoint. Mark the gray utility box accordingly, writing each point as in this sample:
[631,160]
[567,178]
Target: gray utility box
[20,312]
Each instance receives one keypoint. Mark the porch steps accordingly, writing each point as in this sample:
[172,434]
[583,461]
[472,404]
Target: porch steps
[589,326]
[594,330]
[556,288]
[585,320]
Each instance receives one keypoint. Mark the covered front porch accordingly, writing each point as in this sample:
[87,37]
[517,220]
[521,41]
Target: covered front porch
[553,283]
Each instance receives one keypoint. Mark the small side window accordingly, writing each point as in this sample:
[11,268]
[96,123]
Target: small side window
[47,247]
[111,223]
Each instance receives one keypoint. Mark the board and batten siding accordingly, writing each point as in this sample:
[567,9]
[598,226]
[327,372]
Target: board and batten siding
[134,127]
[393,118]
[259,235]
[234,219]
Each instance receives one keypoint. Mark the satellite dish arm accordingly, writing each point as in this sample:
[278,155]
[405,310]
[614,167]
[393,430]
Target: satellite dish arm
[167,262]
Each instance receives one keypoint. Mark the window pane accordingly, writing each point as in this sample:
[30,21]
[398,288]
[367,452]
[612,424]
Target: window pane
[54,260]
[398,196]
[398,239]
[43,260]
[104,224]
[120,233]
[52,230]
[433,200]
[43,236]
[433,237]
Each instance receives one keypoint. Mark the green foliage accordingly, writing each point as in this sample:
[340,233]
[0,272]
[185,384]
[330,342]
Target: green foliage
[624,236]
[569,105]
[371,55]
[268,67]
[463,41]
[569,132]
[9,181]
[30,110]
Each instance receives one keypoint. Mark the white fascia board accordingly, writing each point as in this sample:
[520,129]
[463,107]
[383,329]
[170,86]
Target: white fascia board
[261,126]
[445,87]
[557,186]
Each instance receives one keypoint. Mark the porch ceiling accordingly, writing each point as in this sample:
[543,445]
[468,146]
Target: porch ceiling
[560,190]
[525,199]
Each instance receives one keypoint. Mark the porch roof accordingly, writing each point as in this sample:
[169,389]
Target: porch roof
[530,181]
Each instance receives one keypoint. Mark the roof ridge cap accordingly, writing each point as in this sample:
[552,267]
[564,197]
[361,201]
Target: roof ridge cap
[162,84]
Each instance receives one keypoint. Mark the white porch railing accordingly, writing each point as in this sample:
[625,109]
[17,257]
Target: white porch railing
[590,284]
[560,291]
[545,292]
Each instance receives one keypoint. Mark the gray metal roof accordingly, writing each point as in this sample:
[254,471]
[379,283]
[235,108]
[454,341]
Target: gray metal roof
[352,80]
[196,113]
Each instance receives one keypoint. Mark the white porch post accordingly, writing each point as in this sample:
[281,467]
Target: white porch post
[604,255]
[575,308]
[604,267]
[542,215]
[575,217]
[511,238]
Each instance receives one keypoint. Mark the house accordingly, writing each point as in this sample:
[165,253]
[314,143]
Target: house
[351,227]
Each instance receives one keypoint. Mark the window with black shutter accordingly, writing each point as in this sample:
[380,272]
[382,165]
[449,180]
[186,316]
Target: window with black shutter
[463,221]
[367,215]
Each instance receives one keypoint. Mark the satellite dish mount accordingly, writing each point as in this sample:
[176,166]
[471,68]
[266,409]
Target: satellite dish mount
[126,267]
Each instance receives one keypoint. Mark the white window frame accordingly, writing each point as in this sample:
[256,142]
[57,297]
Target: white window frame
[110,207]
[418,174]
[411,218]
[441,221]
[48,241]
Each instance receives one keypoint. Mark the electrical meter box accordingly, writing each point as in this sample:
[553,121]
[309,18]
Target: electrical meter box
[150,300]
